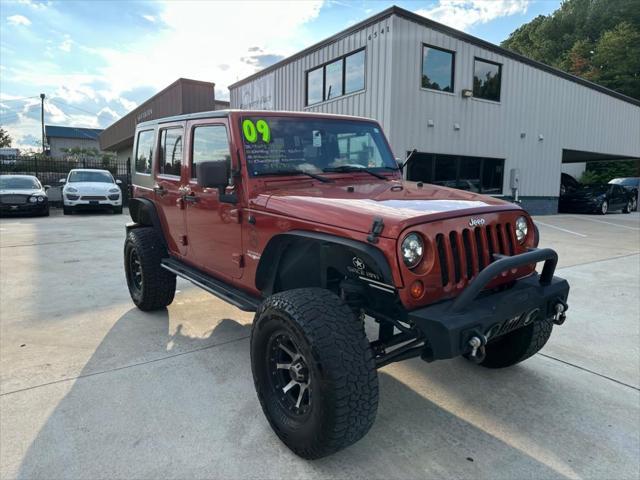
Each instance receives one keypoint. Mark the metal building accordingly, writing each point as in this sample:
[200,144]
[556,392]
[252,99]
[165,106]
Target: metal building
[479,116]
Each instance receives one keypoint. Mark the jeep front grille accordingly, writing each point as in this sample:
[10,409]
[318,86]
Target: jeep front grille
[93,197]
[462,254]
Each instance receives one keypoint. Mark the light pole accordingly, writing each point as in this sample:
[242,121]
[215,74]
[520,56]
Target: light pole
[42,118]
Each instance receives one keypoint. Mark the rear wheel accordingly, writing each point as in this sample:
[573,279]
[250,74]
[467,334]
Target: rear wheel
[628,208]
[517,346]
[313,371]
[151,286]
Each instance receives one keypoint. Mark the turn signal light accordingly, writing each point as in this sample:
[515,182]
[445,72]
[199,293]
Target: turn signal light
[417,289]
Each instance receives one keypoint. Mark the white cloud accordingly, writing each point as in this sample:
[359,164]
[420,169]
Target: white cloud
[189,47]
[149,18]
[65,46]
[19,20]
[463,14]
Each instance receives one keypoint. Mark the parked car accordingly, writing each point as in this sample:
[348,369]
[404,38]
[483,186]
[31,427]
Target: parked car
[568,183]
[23,194]
[631,184]
[306,220]
[601,199]
[86,188]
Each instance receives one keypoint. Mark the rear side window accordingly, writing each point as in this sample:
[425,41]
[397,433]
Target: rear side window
[171,153]
[210,144]
[144,152]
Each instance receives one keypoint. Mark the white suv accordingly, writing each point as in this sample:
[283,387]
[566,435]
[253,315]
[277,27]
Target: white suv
[91,188]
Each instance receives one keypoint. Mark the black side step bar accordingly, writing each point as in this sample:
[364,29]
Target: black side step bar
[229,294]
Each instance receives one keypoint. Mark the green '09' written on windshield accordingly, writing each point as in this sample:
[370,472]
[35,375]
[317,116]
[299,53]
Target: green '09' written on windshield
[314,145]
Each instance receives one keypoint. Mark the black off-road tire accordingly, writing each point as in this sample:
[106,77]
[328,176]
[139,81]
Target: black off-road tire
[154,287]
[518,345]
[343,383]
[628,208]
[604,208]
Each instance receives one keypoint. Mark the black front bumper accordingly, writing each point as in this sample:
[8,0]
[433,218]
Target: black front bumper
[23,208]
[448,326]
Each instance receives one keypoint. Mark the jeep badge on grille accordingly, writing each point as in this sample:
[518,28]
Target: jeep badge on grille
[476,222]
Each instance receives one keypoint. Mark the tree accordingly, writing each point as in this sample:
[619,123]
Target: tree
[5,138]
[594,39]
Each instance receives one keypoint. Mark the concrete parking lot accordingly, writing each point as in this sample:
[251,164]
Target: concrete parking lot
[91,387]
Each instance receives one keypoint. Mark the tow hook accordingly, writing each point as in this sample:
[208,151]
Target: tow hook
[477,344]
[560,315]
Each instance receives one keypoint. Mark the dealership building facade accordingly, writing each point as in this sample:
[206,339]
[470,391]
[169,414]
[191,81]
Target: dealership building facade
[479,117]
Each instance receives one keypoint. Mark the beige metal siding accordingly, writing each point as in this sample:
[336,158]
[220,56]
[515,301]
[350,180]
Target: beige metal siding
[568,115]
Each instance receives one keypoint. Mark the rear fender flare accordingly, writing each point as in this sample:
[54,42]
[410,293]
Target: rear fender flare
[144,214]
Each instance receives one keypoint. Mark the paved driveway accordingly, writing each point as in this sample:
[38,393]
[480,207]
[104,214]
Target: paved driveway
[91,387]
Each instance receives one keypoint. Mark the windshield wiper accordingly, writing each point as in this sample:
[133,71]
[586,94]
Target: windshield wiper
[351,168]
[296,172]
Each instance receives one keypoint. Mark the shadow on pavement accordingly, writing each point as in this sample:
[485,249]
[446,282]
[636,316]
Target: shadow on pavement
[193,413]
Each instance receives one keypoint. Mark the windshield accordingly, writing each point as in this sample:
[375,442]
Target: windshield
[627,182]
[274,145]
[87,176]
[19,183]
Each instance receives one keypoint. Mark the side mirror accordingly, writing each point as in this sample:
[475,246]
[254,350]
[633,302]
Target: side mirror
[118,181]
[216,175]
[213,174]
[62,180]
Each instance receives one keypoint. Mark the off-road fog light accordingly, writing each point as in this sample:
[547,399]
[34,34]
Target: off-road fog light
[417,289]
[522,228]
[412,250]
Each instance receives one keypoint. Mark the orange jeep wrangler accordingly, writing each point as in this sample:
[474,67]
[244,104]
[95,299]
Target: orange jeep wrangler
[306,220]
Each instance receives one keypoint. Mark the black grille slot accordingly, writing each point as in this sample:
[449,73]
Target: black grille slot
[478,234]
[466,238]
[500,239]
[93,197]
[509,239]
[442,256]
[490,242]
[453,238]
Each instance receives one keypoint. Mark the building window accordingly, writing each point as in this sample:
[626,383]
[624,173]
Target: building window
[437,68]
[315,86]
[474,174]
[171,151]
[144,152]
[486,79]
[354,72]
[210,144]
[336,78]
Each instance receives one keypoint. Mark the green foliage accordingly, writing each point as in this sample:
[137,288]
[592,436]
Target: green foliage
[5,138]
[595,39]
[602,172]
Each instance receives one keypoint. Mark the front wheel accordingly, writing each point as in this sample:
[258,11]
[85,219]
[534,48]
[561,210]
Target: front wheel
[517,346]
[314,371]
[604,207]
[151,286]
[628,207]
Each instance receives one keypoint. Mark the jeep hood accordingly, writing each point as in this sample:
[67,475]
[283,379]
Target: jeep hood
[399,204]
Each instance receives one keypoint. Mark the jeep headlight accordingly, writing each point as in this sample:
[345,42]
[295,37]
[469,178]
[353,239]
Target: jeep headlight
[33,199]
[71,189]
[114,190]
[40,199]
[412,250]
[522,228]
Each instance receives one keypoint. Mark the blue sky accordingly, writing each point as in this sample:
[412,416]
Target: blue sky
[97,60]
